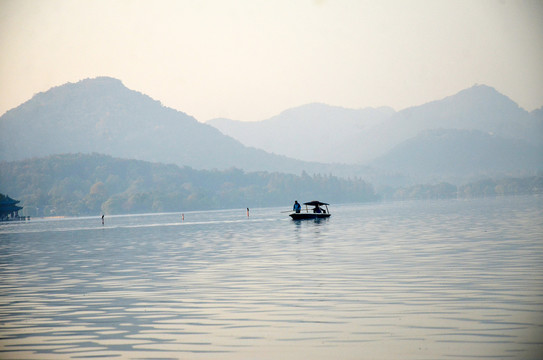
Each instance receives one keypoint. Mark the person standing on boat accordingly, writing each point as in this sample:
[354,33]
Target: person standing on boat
[297,207]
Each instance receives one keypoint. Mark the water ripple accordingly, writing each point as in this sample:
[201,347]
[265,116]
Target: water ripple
[413,280]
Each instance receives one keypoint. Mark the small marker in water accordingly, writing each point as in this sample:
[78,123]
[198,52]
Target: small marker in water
[247,212]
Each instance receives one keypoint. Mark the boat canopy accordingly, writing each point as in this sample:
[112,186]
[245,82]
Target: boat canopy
[315,203]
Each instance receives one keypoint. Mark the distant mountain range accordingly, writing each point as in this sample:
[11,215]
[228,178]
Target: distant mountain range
[477,132]
[102,116]
[313,132]
[474,133]
[360,136]
[457,155]
[479,108]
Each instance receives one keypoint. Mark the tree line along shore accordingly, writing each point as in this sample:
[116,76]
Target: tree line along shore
[80,184]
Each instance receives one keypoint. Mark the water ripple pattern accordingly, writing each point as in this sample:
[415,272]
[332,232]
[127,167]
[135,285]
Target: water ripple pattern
[451,279]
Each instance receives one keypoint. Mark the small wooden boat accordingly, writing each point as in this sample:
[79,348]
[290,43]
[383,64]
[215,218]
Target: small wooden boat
[317,212]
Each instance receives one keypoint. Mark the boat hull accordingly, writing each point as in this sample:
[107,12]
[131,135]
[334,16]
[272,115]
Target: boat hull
[307,216]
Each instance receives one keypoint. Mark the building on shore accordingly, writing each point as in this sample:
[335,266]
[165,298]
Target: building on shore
[9,210]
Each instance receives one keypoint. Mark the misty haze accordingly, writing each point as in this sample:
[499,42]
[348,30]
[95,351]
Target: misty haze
[271,180]
[474,143]
[96,147]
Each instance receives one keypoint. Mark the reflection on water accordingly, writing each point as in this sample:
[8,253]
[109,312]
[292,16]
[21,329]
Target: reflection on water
[409,280]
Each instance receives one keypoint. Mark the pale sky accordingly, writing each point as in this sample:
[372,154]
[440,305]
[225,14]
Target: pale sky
[249,59]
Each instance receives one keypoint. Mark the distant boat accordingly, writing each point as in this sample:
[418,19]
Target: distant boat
[317,212]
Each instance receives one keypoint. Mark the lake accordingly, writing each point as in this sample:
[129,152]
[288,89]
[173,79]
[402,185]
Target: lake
[448,279]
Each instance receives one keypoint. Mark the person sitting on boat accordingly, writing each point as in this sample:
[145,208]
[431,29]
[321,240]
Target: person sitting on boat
[317,209]
[297,207]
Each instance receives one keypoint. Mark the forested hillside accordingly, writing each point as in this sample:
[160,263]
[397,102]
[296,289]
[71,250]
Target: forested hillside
[103,116]
[510,186]
[459,156]
[83,184]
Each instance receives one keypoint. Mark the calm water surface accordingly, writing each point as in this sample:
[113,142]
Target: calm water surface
[447,279]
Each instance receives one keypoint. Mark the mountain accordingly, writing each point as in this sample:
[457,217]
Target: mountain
[477,108]
[101,115]
[313,132]
[359,136]
[460,156]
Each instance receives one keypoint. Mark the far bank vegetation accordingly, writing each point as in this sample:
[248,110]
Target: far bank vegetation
[78,185]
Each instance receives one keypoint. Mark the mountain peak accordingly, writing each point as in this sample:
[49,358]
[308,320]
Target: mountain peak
[100,81]
[101,115]
[90,88]
[483,95]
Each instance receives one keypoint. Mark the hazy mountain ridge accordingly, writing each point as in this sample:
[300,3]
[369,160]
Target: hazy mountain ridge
[477,108]
[101,115]
[313,132]
[460,155]
[502,138]
[366,134]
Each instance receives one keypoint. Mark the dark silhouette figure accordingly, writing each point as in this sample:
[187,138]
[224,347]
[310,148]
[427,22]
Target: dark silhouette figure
[297,207]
